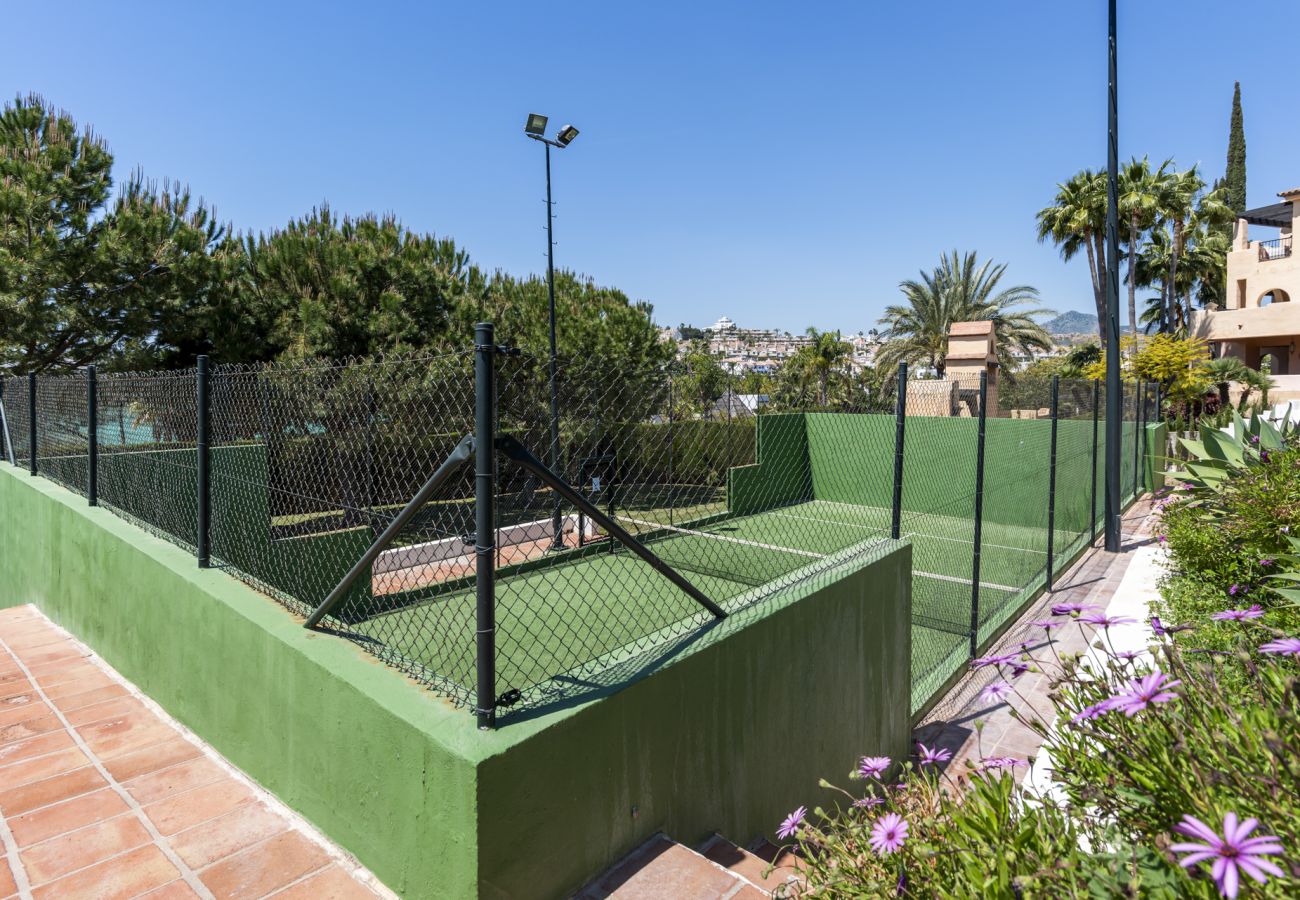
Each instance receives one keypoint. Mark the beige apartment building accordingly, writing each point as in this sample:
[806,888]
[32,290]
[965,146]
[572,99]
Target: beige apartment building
[1261,318]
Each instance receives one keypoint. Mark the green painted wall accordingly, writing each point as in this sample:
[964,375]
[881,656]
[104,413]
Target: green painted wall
[782,473]
[1157,435]
[333,733]
[729,738]
[852,461]
[852,457]
[730,733]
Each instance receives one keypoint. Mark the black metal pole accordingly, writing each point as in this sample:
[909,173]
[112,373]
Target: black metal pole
[671,446]
[203,550]
[979,519]
[92,437]
[1160,418]
[900,418]
[557,524]
[1139,415]
[1096,416]
[1051,480]
[485,522]
[1113,397]
[6,436]
[31,421]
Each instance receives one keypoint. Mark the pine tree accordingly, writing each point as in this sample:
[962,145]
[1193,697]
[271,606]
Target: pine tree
[1235,177]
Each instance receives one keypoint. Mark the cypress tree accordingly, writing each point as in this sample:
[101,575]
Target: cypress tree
[1235,176]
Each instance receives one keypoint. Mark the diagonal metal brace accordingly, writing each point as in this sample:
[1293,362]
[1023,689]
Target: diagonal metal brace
[9,444]
[520,454]
[458,457]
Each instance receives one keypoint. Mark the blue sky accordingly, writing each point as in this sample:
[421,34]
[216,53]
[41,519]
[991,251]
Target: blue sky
[783,164]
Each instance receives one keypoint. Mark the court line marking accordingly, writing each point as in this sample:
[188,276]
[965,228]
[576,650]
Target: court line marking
[954,578]
[913,514]
[722,537]
[972,543]
[909,534]
[827,521]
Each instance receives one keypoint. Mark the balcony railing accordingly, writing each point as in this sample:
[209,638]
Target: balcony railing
[1279,248]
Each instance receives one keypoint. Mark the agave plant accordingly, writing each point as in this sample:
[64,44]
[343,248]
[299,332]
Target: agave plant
[1222,452]
[1288,565]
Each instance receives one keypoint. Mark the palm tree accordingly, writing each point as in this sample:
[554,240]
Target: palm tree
[1253,381]
[1184,207]
[826,354]
[1223,370]
[1140,192]
[960,289]
[1197,270]
[1077,220]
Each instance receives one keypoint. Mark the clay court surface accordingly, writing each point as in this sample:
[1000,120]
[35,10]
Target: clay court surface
[102,796]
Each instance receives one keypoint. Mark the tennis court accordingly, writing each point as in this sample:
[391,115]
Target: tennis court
[559,614]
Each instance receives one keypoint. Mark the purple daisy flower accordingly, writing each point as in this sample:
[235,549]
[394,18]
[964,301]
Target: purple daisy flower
[888,834]
[933,757]
[1235,851]
[1047,624]
[1001,762]
[1263,456]
[1065,609]
[1239,615]
[1265,563]
[1163,630]
[873,766]
[1088,713]
[869,802]
[1005,659]
[996,692]
[1144,691]
[790,826]
[1236,589]
[1128,654]
[1101,620]
[1162,539]
[1282,647]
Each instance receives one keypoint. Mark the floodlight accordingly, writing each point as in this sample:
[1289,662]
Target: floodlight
[566,135]
[535,125]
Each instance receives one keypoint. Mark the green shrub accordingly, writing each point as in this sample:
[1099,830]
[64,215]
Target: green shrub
[1134,753]
[1232,535]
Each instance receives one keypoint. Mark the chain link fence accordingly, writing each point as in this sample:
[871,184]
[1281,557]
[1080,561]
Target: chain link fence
[633,504]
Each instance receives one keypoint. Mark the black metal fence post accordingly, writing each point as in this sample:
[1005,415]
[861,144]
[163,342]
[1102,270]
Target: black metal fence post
[204,486]
[900,415]
[31,420]
[979,517]
[1096,417]
[4,426]
[92,437]
[1051,481]
[671,446]
[1158,460]
[484,521]
[1139,397]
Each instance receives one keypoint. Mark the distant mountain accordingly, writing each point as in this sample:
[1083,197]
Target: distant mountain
[1072,323]
[1077,323]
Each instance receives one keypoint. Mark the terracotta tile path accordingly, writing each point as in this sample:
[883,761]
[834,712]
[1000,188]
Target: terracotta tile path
[103,796]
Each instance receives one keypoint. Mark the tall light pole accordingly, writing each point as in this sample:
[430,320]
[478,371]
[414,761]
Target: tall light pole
[535,128]
[1114,396]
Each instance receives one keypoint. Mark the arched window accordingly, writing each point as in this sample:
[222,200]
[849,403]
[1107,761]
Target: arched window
[1277,295]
